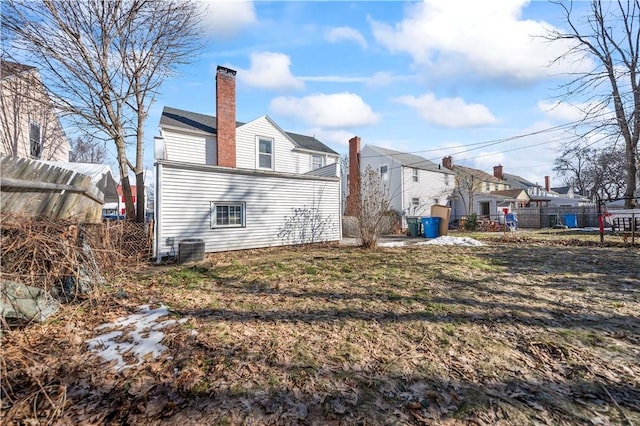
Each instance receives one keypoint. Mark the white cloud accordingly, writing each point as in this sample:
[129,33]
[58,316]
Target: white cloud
[338,110]
[334,79]
[448,112]
[337,34]
[379,79]
[488,38]
[226,18]
[270,70]
[565,112]
[332,137]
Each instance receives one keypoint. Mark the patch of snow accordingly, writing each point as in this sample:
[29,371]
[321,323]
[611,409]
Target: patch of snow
[138,335]
[392,244]
[446,240]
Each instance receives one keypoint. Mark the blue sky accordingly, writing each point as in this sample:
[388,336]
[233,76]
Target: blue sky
[432,78]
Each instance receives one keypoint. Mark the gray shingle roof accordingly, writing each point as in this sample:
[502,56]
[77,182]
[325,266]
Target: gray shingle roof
[481,175]
[517,181]
[411,160]
[207,123]
[310,143]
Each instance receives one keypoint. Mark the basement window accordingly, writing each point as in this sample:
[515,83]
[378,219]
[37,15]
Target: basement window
[228,215]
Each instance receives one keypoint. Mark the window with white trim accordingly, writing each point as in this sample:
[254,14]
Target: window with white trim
[416,175]
[415,201]
[446,180]
[384,172]
[317,161]
[35,141]
[265,153]
[487,186]
[227,215]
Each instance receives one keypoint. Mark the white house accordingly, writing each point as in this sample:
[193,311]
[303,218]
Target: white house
[241,185]
[414,183]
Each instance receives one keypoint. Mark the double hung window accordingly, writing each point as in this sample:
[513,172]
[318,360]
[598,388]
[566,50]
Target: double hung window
[227,215]
[265,153]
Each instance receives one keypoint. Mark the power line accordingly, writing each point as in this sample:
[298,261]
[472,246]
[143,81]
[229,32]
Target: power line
[484,144]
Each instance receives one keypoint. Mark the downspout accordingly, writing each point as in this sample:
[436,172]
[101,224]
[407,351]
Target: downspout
[340,204]
[157,205]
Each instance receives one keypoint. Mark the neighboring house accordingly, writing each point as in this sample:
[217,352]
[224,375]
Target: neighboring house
[538,196]
[493,204]
[567,196]
[241,185]
[29,125]
[471,188]
[414,183]
[117,207]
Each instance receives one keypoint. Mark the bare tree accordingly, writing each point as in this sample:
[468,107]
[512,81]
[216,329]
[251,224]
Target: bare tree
[84,149]
[610,37]
[104,61]
[592,171]
[467,185]
[373,207]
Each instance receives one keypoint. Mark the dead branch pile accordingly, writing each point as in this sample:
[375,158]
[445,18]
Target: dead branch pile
[38,252]
[43,252]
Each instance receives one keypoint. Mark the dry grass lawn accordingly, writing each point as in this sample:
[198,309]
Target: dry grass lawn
[515,333]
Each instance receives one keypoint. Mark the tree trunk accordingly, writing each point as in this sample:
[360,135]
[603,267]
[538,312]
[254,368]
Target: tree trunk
[140,199]
[124,180]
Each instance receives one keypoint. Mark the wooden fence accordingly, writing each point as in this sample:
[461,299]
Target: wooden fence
[548,217]
[34,189]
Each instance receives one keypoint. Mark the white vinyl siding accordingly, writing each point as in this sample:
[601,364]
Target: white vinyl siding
[284,158]
[270,202]
[402,187]
[190,147]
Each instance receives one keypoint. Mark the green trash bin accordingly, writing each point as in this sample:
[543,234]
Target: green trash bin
[413,225]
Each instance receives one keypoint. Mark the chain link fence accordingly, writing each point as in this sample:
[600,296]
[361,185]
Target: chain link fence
[130,240]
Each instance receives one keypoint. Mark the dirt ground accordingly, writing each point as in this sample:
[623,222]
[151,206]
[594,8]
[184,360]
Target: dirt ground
[515,332]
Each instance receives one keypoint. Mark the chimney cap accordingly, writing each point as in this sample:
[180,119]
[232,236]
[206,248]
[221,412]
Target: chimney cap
[226,70]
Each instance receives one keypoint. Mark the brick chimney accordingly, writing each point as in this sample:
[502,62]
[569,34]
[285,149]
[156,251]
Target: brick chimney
[447,162]
[226,116]
[497,172]
[353,199]
[547,183]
